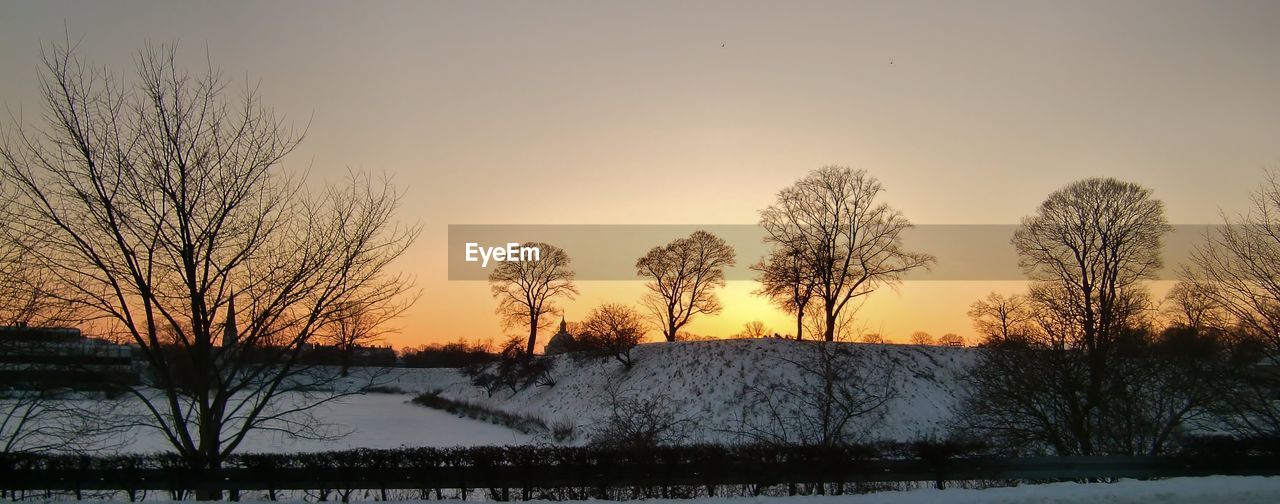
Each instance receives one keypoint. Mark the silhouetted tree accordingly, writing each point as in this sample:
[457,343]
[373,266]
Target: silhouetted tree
[363,321]
[1188,304]
[788,282]
[849,243]
[683,276]
[921,338]
[875,338]
[1235,275]
[755,329]
[838,393]
[641,419]
[1001,320]
[613,328]
[951,340]
[514,369]
[1086,250]
[153,199]
[526,290]
[30,295]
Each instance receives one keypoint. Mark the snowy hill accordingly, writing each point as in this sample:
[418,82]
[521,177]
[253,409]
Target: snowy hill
[716,387]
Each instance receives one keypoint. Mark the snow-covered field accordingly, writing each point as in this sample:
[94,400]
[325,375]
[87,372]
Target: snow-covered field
[705,382]
[373,421]
[709,381]
[1234,489]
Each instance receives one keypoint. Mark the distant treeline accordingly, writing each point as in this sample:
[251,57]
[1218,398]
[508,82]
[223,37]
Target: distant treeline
[458,354]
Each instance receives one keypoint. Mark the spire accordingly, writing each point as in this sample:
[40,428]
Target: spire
[562,324]
[230,336]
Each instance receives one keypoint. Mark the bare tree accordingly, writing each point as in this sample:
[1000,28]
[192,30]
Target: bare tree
[847,327]
[839,392]
[1189,304]
[1234,277]
[850,243]
[613,328]
[641,419]
[153,200]
[37,414]
[526,290]
[951,340]
[755,329]
[1001,319]
[58,421]
[1236,268]
[921,338]
[874,338]
[1087,249]
[364,320]
[785,278]
[29,294]
[683,276]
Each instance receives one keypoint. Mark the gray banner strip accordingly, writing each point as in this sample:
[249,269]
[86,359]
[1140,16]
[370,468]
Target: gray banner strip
[609,251]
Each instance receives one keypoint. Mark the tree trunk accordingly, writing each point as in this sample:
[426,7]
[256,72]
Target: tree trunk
[800,325]
[533,334]
[206,492]
[830,331]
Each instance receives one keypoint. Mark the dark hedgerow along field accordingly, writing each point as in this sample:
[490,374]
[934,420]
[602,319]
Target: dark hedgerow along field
[595,472]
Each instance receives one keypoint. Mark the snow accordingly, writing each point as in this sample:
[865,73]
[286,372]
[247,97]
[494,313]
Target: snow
[373,421]
[1239,489]
[1236,489]
[708,382]
[705,381]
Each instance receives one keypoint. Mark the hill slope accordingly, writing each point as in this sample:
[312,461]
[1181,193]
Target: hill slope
[724,389]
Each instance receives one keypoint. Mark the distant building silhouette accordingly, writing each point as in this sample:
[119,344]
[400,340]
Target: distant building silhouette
[43,358]
[561,342]
[230,335]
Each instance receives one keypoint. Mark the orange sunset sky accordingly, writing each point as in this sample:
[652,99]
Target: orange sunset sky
[699,112]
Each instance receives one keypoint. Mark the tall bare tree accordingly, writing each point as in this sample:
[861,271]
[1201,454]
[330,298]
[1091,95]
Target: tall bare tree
[683,276]
[849,242]
[526,290]
[154,198]
[1087,250]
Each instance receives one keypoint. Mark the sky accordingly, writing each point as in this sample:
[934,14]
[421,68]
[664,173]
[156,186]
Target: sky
[700,112]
